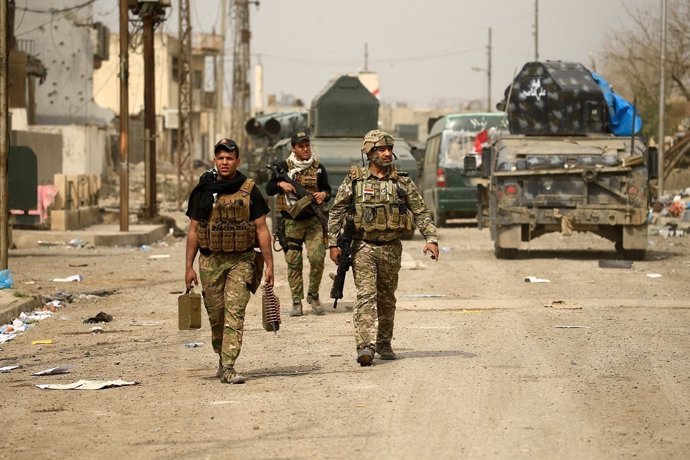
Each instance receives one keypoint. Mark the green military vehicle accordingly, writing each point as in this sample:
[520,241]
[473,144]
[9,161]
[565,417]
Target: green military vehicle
[561,168]
[339,117]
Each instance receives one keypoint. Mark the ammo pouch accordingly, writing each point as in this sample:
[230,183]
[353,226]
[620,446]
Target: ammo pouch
[215,239]
[202,234]
[299,207]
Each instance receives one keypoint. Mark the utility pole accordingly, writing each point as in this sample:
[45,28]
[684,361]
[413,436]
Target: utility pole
[152,13]
[220,71]
[4,133]
[662,100]
[488,74]
[184,128]
[124,116]
[536,30]
[240,63]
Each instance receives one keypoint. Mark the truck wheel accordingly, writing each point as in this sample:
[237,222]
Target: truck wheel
[505,253]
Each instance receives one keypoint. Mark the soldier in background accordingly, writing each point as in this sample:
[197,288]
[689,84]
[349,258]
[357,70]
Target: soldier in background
[228,219]
[384,201]
[305,229]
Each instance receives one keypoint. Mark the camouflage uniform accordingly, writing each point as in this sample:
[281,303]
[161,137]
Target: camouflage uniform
[225,278]
[310,232]
[376,247]
[303,230]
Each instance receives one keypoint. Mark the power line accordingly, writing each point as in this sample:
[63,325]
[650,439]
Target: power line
[56,10]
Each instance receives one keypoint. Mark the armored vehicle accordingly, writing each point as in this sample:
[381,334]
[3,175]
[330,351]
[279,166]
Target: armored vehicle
[339,117]
[561,169]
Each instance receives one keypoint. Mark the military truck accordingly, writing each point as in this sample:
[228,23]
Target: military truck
[560,168]
[339,117]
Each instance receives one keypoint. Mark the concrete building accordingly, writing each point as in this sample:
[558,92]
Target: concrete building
[60,37]
[205,48]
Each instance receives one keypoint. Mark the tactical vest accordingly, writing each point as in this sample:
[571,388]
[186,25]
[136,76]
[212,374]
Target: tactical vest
[307,178]
[229,228]
[379,204]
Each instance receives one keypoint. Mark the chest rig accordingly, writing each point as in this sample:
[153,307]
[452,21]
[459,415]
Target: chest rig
[380,204]
[308,179]
[229,228]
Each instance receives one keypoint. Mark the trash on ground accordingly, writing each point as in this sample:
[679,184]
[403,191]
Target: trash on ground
[534,279]
[42,342]
[606,263]
[423,296]
[159,256]
[193,344]
[29,282]
[87,385]
[50,243]
[69,279]
[6,280]
[97,330]
[653,275]
[54,371]
[77,265]
[99,293]
[77,243]
[568,326]
[445,248]
[6,369]
[101,317]
[145,247]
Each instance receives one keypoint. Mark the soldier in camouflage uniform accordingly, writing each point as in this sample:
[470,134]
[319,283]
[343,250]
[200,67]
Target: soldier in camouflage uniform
[384,203]
[228,219]
[305,228]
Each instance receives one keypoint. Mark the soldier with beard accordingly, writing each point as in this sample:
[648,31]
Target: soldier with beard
[384,203]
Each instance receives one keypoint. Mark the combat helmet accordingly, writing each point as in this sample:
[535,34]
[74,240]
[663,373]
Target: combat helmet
[376,138]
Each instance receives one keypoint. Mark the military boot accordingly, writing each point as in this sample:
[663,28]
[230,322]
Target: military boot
[230,376]
[316,307]
[365,356]
[296,308]
[385,351]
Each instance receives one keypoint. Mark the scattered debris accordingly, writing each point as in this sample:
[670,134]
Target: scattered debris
[69,279]
[606,263]
[97,330]
[87,385]
[193,344]
[534,279]
[6,280]
[653,275]
[571,327]
[54,371]
[101,317]
[42,342]
[77,243]
[6,369]
[50,243]
[159,256]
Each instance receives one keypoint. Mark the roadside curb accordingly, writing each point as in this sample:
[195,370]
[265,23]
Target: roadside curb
[12,309]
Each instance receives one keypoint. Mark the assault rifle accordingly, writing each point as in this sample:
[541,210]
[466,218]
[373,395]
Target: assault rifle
[305,200]
[345,261]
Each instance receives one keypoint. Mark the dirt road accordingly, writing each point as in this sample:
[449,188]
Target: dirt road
[592,364]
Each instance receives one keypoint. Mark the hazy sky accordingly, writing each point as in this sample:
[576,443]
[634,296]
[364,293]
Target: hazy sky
[424,51]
